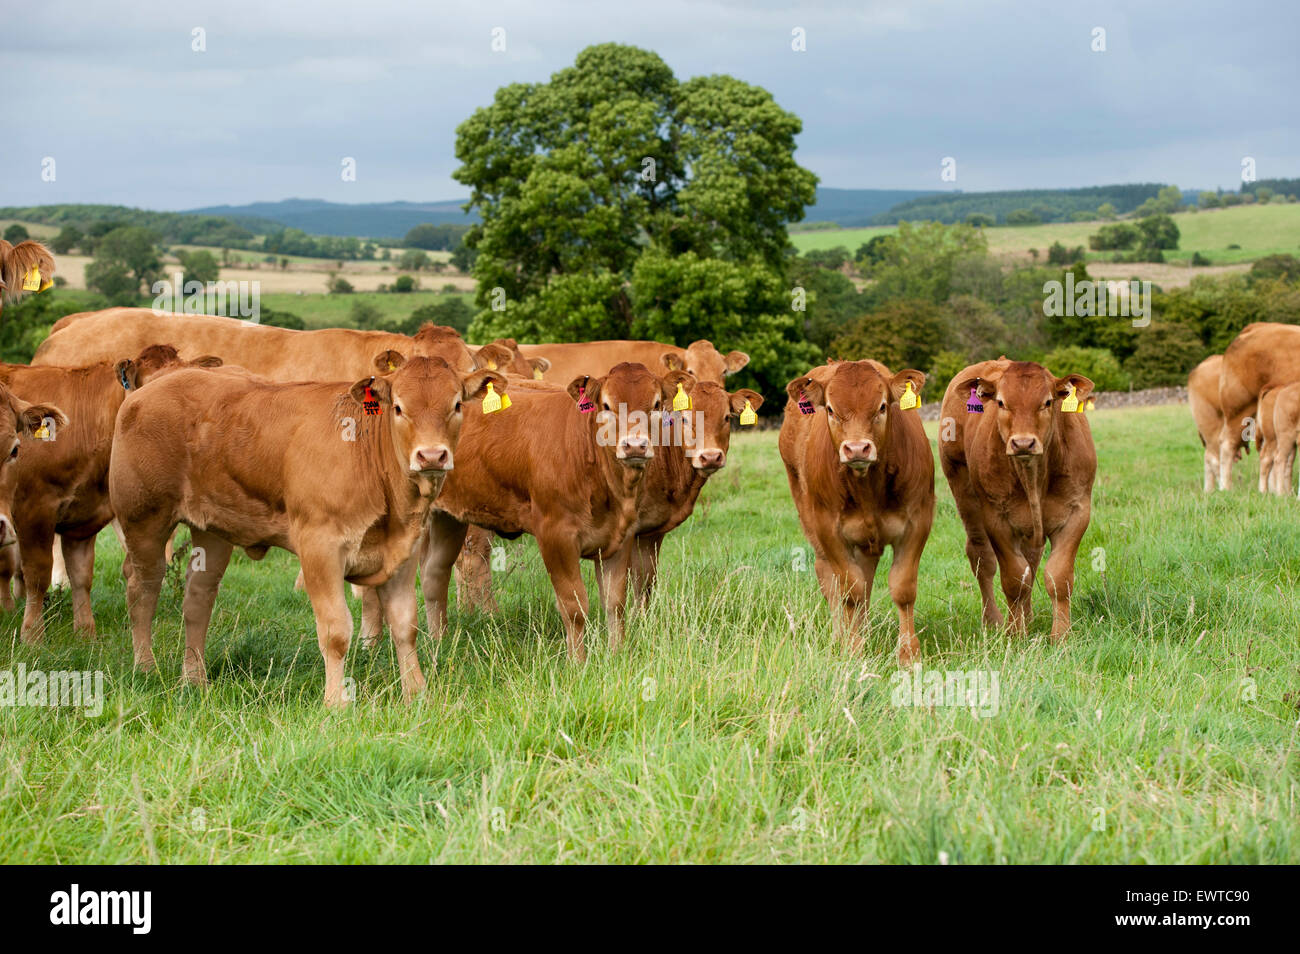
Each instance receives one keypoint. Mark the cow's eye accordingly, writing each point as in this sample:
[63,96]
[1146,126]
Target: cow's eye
[657,405]
[1048,403]
[883,406]
[830,411]
[13,454]
[1000,404]
[397,409]
[456,409]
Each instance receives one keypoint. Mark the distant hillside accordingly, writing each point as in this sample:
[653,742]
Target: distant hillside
[368,219]
[1050,205]
[850,207]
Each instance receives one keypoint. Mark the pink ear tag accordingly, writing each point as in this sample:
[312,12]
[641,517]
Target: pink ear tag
[805,405]
[585,406]
[974,405]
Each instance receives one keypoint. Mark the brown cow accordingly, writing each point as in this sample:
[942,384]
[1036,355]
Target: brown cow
[569,475]
[1020,461]
[25,267]
[596,358]
[20,423]
[862,476]
[1264,354]
[1203,399]
[62,480]
[341,474]
[1286,428]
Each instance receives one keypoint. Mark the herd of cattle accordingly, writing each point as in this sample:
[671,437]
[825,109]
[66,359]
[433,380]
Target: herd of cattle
[372,456]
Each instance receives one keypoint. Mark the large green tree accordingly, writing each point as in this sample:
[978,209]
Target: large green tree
[615,179]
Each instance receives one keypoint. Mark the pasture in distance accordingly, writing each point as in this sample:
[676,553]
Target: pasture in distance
[732,728]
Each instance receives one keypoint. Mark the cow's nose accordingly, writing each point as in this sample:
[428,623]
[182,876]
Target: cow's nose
[432,458]
[858,452]
[1019,445]
[710,459]
[636,445]
[6,531]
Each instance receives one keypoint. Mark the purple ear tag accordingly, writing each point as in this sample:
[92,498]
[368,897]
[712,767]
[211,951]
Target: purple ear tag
[805,405]
[974,405]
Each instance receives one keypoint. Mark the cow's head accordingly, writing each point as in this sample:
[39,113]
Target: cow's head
[155,361]
[20,423]
[17,263]
[858,398]
[705,361]
[438,341]
[706,428]
[421,401]
[626,405]
[1025,399]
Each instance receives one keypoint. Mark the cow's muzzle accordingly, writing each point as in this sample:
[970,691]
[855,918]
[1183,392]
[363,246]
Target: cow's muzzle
[431,460]
[1024,445]
[7,535]
[710,461]
[858,454]
[634,450]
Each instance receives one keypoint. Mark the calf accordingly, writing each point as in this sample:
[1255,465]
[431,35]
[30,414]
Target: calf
[566,467]
[61,482]
[596,358]
[1264,354]
[1266,438]
[341,475]
[862,476]
[1286,429]
[20,425]
[1018,454]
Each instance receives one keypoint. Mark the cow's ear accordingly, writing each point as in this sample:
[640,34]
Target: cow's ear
[207,361]
[736,360]
[740,398]
[585,387]
[32,416]
[1082,386]
[475,383]
[389,361]
[539,365]
[128,374]
[986,386]
[492,356]
[899,382]
[668,383]
[673,361]
[806,388]
[379,387]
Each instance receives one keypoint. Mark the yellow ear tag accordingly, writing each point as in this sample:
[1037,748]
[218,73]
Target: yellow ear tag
[32,280]
[747,416]
[46,283]
[681,400]
[492,365]
[391,366]
[1071,403]
[42,433]
[492,401]
[908,400]
[1090,406]
[537,374]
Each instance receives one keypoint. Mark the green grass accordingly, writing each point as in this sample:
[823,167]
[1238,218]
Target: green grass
[1259,230]
[732,729]
[335,311]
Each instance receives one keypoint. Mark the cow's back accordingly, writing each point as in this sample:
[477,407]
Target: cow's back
[1263,354]
[596,358]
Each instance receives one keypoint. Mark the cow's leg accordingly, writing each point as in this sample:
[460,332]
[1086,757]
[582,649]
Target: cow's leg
[1059,572]
[474,572]
[643,566]
[1018,587]
[209,557]
[397,598]
[847,588]
[1267,452]
[35,544]
[146,542]
[903,573]
[8,572]
[563,562]
[442,545]
[372,615]
[1211,470]
[1230,438]
[59,568]
[322,572]
[1283,468]
[79,559]
[299,584]
[612,572]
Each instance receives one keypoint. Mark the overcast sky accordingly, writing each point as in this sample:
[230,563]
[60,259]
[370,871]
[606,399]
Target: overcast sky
[132,114]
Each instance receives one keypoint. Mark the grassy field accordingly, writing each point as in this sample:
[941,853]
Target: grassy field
[1259,230]
[733,729]
[335,311]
